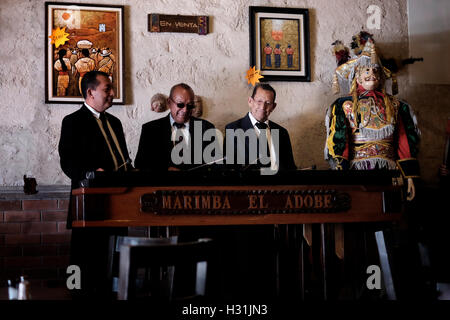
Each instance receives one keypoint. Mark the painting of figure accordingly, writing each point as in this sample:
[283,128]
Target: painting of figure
[284,36]
[92,34]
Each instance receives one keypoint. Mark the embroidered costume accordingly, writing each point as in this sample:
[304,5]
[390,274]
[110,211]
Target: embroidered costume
[369,129]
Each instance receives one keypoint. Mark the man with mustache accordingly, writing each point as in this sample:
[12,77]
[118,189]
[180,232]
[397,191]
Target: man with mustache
[252,249]
[92,140]
[261,105]
[159,137]
[159,152]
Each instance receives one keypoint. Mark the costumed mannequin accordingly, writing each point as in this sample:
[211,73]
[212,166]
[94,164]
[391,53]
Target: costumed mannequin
[369,129]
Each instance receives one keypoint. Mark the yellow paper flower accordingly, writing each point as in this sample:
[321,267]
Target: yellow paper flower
[59,36]
[253,76]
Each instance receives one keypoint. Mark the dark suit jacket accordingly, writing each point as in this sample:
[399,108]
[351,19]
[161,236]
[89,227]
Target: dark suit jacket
[155,144]
[82,147]
[286,157]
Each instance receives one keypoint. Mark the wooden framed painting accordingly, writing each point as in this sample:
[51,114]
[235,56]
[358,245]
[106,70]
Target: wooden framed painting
[279,43]
[80,38]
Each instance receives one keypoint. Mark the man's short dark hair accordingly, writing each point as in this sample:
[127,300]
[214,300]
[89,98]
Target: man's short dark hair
[181,85]
[264,86]
[90,81]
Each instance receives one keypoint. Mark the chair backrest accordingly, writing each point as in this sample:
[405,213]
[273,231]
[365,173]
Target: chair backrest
[180,256]
[114,254]
[143,241]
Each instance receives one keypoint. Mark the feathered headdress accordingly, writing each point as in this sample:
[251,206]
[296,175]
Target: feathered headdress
[342,54]
[365,54]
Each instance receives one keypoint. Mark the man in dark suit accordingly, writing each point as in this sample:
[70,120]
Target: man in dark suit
[174,142]
[277,152]
[92,140]
[260,144]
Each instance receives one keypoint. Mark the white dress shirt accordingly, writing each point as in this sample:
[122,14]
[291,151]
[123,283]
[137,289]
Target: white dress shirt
[94,112]
[272,152]
[184,131]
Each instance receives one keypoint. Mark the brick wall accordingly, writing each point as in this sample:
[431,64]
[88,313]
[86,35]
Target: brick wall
[34,240]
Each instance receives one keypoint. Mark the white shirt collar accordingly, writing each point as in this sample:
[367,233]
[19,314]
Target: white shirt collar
[95,112]
[253,120]
[186,124]
[273,156]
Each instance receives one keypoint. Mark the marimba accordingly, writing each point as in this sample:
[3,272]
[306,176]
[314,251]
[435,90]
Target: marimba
[201,198]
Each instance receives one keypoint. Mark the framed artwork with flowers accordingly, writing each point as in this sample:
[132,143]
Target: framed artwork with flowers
[80,38]
[279,43]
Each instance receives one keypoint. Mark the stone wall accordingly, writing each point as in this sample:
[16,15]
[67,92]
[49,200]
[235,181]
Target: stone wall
[214,65]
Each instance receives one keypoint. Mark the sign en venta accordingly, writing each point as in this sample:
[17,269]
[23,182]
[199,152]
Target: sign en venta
[177,23]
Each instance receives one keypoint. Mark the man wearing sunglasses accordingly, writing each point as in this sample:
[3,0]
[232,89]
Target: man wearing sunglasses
[157,151]
[160,137]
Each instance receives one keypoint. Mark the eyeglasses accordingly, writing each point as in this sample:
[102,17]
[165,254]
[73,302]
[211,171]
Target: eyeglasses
[265,103]
[180,105]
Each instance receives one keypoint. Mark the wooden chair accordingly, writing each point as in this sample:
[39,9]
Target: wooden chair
[183,257]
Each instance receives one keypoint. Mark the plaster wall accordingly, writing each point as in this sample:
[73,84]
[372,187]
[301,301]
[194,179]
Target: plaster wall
[214,65]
